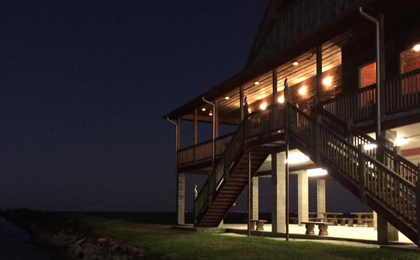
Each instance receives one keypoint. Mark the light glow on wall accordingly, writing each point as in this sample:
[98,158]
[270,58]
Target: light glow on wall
[327,81]
[281,99]
[295,63]
[303,90]
[203,109]
[256,83]
[317,172]
[416,48]
[211,113]
[298,158]
[227,98]
[400,141]
[263,106]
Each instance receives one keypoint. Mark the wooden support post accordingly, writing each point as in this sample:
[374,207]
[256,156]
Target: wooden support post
[216,121]
[418,205]
[249,192]
[178,134]
[381,19]
[287,190]
[274,96]
[241,103]
[318,74]
[361,172]
[195,131]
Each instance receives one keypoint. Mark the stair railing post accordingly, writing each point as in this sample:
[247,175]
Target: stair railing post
[361,172]
[418,205]
[286,110]
[316,132]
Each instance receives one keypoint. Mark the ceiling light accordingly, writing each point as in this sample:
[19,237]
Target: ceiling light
[317,172]
[211,113]
[302,90]
[295,63]
[416,48]
[400,141]
[369,146]
[203,109]
[263,106]
[327,81]
[227,98]
[256,83]
[281,99]
[296,159]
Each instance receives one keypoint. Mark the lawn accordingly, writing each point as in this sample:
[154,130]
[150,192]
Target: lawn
[163,241]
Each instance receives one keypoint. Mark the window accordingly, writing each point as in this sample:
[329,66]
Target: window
[410,59]
[367,78]
[368,75]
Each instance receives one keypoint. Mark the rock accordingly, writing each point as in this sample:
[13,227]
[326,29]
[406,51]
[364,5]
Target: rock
[75,250]
[115,248]
[89,250]
[101,240]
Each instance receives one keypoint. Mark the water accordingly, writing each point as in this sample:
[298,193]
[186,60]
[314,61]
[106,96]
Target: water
[15,244]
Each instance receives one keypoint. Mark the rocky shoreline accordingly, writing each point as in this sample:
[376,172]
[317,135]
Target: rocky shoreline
[70,239]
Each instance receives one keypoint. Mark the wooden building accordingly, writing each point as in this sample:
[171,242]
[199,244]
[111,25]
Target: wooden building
[327,51]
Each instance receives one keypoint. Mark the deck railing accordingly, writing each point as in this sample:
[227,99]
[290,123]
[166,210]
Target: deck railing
[399,94]
[203,151]
[402,93]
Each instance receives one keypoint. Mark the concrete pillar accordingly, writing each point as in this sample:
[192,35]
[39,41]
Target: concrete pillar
[180,199]
[303,197]
[278,192]
[255,199]
[321,204]
[375,221]
[386,232]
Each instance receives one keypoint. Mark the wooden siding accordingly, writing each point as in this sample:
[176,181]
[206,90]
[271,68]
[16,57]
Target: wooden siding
[298,18]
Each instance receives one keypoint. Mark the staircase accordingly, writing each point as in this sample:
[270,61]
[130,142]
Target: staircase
[382,179]
[367,173]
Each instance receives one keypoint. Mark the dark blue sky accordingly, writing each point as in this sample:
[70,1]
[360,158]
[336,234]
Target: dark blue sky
[84,85]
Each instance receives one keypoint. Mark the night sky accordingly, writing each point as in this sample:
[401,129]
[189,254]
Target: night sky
[84,86]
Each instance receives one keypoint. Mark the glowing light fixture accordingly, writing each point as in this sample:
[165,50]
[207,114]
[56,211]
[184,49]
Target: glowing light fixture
[317,172]
[203,109]
[227,98]
[263,106]
[327,81]
[416,48]
[303,90]
[296,159]
[369,146]
[211,113]
[281,99]
[295,63]
[400,141]
[256,83]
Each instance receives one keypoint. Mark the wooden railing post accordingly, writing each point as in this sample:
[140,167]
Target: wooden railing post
[418,205]
[361,173]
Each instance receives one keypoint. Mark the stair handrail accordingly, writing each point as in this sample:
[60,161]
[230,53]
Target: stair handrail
[393,183]
[391,155]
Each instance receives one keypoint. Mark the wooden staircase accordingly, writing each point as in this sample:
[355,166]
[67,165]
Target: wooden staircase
[230,190]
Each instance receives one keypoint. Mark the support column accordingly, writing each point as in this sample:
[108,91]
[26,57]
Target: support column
[255,199]
[278,192]
[241,103]
[181,199]
[321,204]
[319,73]
[303,197]
[386,232]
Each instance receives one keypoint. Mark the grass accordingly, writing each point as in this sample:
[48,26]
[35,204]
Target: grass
[161,241]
